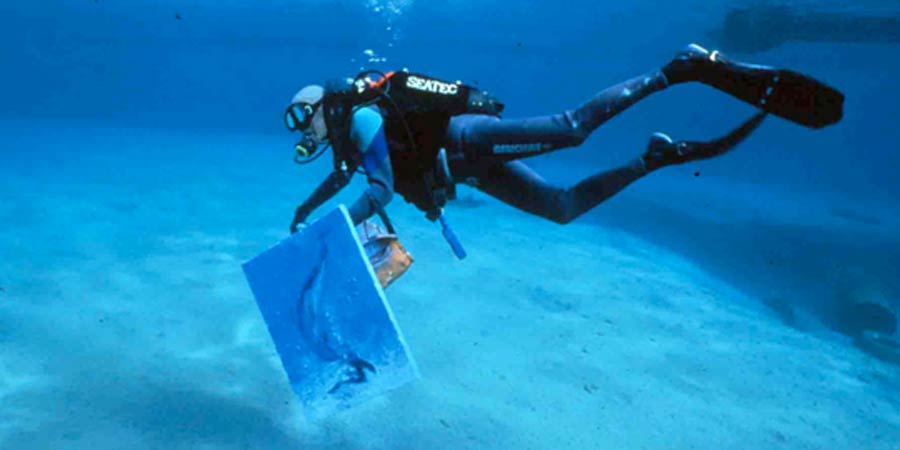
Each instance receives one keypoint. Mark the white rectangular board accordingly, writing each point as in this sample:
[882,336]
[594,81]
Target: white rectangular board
[329,318]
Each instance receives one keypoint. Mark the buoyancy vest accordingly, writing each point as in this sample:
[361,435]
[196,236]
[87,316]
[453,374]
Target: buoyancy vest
[416,110]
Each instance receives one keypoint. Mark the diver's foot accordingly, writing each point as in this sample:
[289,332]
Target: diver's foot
[689,64]
[664,151]
[661,151]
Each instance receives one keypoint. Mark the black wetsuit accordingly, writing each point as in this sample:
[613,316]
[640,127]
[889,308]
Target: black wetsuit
[485,153]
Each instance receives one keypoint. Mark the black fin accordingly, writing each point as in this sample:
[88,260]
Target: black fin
[785,93]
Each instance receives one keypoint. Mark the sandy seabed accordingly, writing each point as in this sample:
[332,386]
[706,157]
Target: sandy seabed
[126,323]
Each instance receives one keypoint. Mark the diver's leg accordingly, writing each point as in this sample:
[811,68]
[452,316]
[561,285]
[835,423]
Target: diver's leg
[481,137]
[612,101]
[516,184]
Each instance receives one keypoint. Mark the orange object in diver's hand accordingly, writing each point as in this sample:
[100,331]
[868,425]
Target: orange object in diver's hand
[386,254]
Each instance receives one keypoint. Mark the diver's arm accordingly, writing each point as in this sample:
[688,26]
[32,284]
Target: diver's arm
[380,176]
[327,189]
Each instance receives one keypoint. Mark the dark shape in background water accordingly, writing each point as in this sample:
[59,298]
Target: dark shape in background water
[761,27]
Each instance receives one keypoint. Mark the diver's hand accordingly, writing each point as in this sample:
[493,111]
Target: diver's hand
[299,219]
[297,226]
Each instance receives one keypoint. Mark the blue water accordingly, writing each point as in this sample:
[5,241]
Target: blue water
[143,158]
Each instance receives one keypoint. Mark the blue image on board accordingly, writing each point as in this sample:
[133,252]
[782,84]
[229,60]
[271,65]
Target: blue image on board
[328,317]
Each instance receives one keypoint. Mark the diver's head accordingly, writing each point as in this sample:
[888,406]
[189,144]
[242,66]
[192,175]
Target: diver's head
[306,115]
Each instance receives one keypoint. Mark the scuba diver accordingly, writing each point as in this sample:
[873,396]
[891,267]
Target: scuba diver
[419,136]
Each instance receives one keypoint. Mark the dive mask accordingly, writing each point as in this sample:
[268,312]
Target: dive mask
[299,116]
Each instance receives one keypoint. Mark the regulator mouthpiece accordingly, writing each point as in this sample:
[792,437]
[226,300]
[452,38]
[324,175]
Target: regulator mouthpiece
[308,149]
